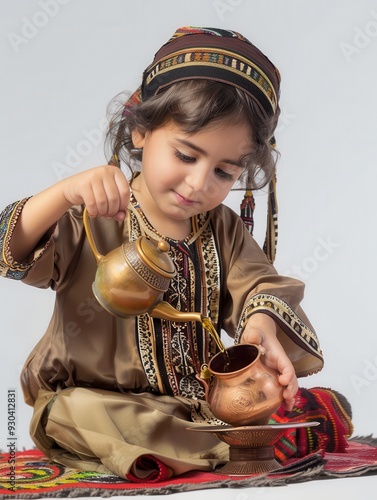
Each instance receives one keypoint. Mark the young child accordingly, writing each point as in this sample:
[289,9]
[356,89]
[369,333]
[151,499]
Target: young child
[119,394]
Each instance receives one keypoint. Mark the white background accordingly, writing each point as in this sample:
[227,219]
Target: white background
[63,60]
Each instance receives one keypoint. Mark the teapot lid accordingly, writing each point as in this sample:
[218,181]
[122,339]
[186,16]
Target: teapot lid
[154,255]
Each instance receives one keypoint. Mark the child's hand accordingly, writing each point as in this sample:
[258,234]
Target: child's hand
[261,329]
[103,190]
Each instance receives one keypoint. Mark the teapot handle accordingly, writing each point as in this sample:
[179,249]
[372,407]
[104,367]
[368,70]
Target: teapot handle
[89,235]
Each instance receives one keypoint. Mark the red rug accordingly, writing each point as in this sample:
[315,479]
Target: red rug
[28,474]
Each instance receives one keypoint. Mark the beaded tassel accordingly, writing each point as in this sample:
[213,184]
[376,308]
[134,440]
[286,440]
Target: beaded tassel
[247,215]
[247,210]
[270,243]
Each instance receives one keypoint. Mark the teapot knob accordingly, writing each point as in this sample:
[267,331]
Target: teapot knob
[163,246]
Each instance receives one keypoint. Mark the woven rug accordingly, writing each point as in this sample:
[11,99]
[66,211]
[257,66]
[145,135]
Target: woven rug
[29,474]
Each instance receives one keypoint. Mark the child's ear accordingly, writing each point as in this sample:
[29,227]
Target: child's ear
[138,138]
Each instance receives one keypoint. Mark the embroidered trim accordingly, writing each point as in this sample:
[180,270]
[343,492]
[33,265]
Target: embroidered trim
[9,268]
[199,223]
[220,59]
[201,413]
[281,311]
[144,331]
[143,271]
[172,353]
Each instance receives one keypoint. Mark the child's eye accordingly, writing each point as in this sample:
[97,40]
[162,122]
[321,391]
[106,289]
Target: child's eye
[183,157]
[223,174]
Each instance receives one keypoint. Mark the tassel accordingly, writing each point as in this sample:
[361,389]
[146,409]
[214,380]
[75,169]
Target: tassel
[247,215]
[247,210]
[270,243]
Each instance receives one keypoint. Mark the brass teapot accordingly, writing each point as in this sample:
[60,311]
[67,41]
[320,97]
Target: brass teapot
[131,279]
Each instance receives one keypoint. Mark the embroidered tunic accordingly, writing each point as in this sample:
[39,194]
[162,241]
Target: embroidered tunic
[221,273]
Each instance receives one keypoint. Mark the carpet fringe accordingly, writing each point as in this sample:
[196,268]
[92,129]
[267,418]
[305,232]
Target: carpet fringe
[370,439]
[314,468]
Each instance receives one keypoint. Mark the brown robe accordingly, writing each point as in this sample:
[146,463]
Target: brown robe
[127,386]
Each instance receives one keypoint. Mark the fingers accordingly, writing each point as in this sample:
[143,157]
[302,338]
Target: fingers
[288,404]
[287,379]
[104,191]
[105,200]
[289,392]
[252,336]
[261,329]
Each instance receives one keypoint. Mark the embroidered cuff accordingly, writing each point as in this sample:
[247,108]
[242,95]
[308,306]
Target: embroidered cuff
[287,319]
[9,267]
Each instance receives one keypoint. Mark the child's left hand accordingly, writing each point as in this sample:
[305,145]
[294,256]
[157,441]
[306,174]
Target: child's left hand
[261,330]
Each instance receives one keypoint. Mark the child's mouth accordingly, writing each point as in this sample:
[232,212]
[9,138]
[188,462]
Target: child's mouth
[184,201]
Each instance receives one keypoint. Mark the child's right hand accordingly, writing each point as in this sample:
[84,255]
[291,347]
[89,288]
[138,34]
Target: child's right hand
[104,191]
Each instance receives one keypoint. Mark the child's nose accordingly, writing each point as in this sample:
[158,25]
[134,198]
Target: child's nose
[198,179]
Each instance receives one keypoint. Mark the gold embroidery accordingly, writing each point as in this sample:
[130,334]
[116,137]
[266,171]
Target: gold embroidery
[282,313]
[9,268]
[171,352]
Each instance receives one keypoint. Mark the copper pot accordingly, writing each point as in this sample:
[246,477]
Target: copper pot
[241,389]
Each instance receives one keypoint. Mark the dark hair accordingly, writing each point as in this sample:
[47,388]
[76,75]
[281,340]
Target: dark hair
[192,105]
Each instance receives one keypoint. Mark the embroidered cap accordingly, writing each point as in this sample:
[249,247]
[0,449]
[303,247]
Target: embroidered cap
[216,54]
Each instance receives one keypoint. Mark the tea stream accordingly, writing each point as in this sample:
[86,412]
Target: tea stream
[207,324]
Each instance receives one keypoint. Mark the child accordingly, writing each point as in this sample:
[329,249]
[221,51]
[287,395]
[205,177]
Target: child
[119,394]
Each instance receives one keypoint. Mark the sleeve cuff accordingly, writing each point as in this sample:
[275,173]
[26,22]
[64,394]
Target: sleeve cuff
[304,338]
[9,267]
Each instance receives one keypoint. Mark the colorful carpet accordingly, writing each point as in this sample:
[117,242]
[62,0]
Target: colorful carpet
[28,474]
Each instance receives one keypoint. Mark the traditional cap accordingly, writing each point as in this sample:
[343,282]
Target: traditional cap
[228,57]
[214,54]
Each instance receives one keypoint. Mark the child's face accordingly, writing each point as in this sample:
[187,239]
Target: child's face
[183,175]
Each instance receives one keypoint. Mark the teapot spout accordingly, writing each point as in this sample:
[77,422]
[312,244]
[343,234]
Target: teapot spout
[163,310]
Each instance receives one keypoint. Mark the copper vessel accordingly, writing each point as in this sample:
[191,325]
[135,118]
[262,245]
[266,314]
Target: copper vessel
[242,390]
